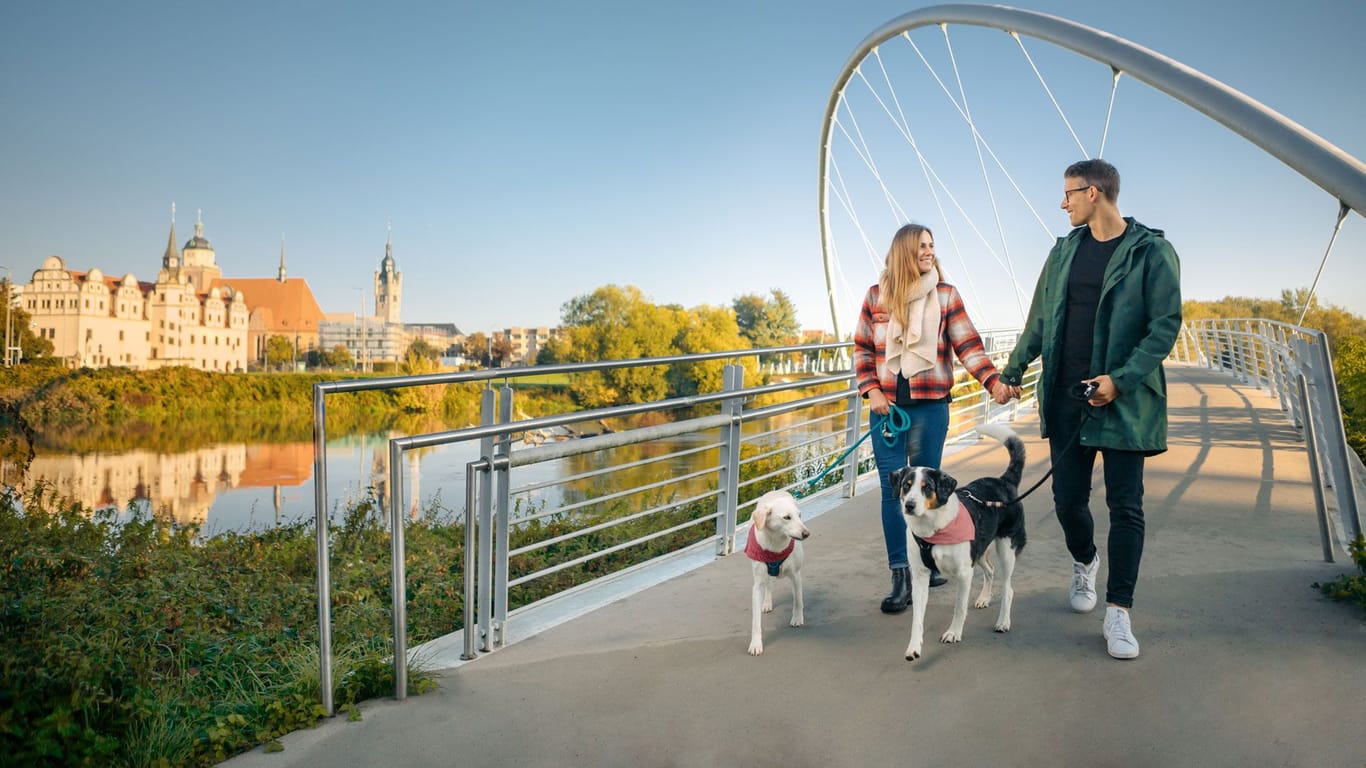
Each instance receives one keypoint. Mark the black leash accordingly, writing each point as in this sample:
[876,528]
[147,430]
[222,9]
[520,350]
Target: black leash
[1082,392]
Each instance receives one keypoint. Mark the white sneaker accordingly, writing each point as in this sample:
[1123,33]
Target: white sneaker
[1082,593]
[1119,636]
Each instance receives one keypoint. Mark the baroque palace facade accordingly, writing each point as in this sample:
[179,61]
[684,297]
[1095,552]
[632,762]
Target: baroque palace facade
[191,315]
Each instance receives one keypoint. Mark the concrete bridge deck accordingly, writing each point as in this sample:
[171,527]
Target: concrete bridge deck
[1244,663]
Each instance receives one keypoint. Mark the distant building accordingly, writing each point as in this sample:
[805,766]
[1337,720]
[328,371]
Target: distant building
[189,316]
[379,338]
[525,342]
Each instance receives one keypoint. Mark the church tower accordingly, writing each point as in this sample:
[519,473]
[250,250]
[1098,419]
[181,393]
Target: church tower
[198,260]
[388,286]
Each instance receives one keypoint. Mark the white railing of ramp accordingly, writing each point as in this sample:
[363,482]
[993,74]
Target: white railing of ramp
[1296,366]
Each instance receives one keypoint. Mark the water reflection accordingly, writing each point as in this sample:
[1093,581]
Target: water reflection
[239,486]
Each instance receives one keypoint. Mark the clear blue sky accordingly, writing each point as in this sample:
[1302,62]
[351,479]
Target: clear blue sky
[529,152]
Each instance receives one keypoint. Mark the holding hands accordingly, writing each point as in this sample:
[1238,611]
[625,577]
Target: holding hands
[1002,392]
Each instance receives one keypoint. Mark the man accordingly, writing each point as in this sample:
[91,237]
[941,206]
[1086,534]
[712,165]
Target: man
[1106,311]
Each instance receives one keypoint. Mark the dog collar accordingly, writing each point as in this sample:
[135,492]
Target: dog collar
[774,560]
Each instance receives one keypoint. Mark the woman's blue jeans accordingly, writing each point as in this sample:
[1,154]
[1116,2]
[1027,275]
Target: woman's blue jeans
[929,425]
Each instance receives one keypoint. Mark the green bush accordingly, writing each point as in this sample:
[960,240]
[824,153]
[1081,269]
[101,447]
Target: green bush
[138,644]
[1350,586]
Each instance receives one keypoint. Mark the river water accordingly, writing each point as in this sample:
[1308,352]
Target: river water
[241,486]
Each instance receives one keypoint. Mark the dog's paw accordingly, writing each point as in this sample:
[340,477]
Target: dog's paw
[951,637]
[982,602]
[1003,626]
[768,606]
[912,652]
[797,620]
[756,648]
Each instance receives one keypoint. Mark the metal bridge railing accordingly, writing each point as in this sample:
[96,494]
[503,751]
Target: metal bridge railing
[1295,365]
[754,451]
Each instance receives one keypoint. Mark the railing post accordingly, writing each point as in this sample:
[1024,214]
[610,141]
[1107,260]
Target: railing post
[728,501]
[1333,437]
[471,558]
[323,554]
[485,564]
[1311,444]
[398,578]
[1254,344]
[502,498]
[855,421]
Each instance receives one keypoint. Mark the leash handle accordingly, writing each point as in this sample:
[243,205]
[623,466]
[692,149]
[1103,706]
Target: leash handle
[896,423]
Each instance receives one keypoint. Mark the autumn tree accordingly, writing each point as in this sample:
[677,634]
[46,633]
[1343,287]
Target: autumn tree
[707,329]
[618,323]
[30,344]
[422,348]
[279,352]
[770,322]
[477,348]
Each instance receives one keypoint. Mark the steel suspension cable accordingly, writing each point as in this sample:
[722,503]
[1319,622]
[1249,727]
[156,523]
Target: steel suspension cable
[1051,98]
[1343,208]
[981,162]
[986,144]
[905,127]
[1114,86]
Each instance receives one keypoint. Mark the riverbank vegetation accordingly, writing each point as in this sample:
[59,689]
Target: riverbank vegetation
[141,644]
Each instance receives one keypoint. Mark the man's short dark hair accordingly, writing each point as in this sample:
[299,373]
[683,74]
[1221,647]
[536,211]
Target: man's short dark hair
[1098,174]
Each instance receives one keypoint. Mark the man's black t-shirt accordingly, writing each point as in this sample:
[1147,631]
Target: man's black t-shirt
[1083,297]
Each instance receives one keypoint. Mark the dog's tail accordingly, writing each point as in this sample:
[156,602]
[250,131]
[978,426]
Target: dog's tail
[1015,471]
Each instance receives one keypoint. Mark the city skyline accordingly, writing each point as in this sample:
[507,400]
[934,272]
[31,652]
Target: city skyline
[529,153]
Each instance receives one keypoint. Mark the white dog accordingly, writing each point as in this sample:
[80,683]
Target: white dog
[775,548]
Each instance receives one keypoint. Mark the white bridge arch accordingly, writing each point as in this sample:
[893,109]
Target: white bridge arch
[1327,166]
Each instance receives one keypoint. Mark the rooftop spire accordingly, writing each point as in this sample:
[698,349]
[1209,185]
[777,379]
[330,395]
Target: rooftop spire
[282,257]
[171,259]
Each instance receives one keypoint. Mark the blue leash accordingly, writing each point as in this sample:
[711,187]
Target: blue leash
[897,423]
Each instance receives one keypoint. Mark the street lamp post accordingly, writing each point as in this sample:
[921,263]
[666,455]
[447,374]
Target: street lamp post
[9,303]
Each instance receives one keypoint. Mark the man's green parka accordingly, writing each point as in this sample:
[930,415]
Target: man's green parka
[1137,322]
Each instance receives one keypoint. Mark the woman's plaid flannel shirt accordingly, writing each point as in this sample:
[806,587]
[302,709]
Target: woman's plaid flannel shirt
[956,329]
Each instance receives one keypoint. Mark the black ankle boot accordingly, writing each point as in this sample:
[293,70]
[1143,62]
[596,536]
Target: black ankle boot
[936,580]
[900,597]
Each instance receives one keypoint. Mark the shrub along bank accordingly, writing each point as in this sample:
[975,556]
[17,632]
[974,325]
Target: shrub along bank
[138,643]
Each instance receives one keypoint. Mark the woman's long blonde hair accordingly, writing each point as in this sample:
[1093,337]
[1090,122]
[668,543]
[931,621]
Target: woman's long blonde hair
[900,278]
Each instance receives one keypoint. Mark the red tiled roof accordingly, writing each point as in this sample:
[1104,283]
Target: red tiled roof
[288,306]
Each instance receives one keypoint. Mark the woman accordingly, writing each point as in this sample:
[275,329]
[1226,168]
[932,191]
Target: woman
[911,325]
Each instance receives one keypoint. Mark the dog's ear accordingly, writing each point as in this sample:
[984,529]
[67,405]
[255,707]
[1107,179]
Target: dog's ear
[761,510]
[898,477]
[944,486]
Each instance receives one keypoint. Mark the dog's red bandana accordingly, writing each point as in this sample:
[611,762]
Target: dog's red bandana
[959,530]
[774,559]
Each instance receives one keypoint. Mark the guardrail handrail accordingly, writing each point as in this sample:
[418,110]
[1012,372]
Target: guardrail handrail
[1295,364]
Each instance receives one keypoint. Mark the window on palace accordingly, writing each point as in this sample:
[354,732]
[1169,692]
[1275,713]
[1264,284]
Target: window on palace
[89,334]
[120,335]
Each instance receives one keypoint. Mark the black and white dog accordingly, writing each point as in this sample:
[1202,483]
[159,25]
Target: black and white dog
[960,527]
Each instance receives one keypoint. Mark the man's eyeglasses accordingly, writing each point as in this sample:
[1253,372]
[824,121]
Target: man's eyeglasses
[1068,192]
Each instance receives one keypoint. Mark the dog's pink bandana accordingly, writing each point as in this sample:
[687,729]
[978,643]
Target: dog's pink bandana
[959,530]
[774,559]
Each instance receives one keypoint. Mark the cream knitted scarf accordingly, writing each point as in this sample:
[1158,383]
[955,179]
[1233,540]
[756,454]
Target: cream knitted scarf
[915,348]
